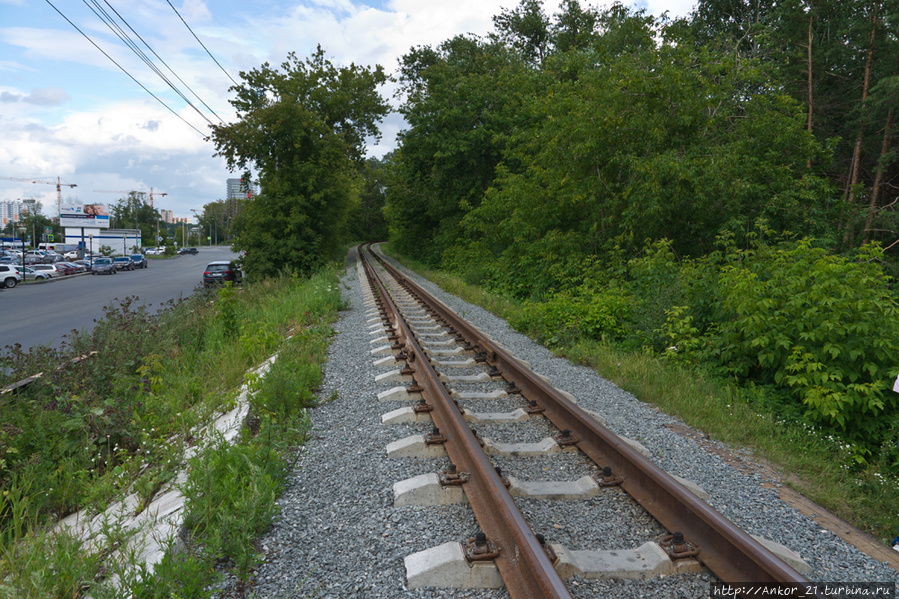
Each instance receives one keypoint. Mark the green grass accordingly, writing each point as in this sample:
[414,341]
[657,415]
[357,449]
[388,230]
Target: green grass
[119,422]
[811,461]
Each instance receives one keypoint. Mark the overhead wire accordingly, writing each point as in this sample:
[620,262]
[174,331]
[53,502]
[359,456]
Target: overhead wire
[201,43]
[196,95]
[167,107]
[111,23]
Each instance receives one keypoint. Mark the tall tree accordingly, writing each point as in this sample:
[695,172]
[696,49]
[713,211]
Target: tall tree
[303,128]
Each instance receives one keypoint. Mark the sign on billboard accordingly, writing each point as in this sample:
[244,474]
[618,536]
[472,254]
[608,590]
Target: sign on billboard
[83,215]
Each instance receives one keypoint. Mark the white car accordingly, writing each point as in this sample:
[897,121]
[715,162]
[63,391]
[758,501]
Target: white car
[73,255]
[51,269]
[9,276]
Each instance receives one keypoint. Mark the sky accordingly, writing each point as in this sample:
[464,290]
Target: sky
[69,114]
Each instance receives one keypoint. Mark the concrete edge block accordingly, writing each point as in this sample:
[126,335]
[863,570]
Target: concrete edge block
[637,446]
[692,487]
[425,489]
[414,447]
[398,394]
[405,416]
[445,566]
[785,554]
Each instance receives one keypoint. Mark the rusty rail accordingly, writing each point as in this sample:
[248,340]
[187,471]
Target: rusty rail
[522,562]
[729,552]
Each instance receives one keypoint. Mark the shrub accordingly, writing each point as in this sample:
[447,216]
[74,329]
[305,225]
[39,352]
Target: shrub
[822,327]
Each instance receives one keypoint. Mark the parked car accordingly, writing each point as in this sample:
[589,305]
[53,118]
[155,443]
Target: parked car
[37,257]
[50,269]
[66,268]
[139,260]
[29,274]
[76,268]
[103,266]
[221,271]
[9,276]
[188,251]
[72,255]
[84,263]
[123,263]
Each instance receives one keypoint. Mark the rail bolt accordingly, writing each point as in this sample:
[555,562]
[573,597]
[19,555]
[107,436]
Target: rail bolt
[451,477]
[435,437]
[566,439]
[422,407]
[480,548]
[533,408]
[607,479]
[677,547]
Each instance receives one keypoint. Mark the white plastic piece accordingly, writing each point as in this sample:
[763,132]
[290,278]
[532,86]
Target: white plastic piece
[447,352]
[445,566]
[382,339]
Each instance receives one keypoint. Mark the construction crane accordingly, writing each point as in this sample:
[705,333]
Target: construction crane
[131,191]
[58,185]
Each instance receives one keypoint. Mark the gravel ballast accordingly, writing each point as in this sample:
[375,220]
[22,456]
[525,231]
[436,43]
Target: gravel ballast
[338,534]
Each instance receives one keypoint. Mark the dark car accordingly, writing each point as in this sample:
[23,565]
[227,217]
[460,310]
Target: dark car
[70,268]
[103,266]
[188,251]
[221,271]
[123,263]
[139,260]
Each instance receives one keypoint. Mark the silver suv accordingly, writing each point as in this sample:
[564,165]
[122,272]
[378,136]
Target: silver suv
[9,276]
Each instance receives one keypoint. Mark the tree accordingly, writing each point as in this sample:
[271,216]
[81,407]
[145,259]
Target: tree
[135,212]
[303,129]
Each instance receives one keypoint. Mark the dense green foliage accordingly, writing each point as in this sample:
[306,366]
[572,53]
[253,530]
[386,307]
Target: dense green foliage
[699,188]
[303,128]
[120,420]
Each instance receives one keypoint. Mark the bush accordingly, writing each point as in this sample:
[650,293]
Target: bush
[822,327]
[569,316]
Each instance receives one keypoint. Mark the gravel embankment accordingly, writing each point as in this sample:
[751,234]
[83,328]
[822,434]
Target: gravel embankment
[339,536]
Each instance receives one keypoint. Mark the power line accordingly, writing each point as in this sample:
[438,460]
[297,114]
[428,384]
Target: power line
[201,43]
[196,95]
[123,69]
[110,22]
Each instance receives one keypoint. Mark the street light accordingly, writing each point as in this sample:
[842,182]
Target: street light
[124,241]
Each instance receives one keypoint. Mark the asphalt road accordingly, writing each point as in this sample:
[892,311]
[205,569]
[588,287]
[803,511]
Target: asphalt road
[41,313]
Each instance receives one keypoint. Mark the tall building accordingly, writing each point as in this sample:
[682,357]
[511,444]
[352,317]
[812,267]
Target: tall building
[10,212]
[236,190]
[167,216]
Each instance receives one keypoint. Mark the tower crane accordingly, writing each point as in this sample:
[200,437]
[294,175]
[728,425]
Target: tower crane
[152,193]
[58,185]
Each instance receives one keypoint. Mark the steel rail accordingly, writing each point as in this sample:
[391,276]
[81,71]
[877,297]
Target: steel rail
[728,551]
[522,562]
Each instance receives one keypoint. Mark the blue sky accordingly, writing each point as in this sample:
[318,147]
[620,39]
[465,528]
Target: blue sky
[67,111]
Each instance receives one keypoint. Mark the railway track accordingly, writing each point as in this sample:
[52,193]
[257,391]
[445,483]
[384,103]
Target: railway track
[432,345]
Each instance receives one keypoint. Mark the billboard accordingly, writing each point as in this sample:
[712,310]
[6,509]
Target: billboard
[83,215]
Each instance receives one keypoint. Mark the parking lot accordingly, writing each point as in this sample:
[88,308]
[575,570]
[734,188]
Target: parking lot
[42,311]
